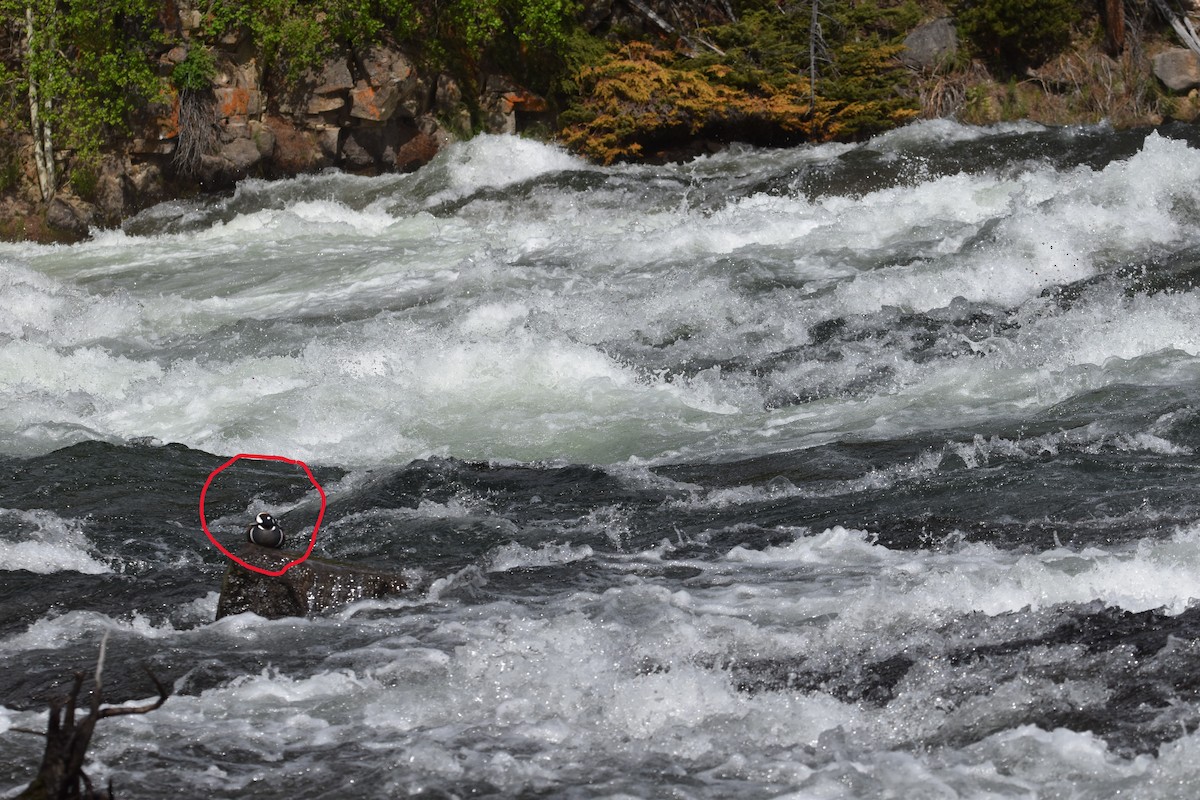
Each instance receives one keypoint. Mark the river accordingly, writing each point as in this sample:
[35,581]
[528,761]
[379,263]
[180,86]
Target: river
[841,471]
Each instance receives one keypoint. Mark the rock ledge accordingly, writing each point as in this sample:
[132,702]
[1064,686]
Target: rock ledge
[316,586]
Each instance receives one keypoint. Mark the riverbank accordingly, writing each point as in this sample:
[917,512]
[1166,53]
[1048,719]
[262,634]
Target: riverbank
[618,80]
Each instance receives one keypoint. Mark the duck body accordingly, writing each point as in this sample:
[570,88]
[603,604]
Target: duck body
[265,532]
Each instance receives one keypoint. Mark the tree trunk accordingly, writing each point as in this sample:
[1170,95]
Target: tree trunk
[43,140]
[1114,25]
[815,39]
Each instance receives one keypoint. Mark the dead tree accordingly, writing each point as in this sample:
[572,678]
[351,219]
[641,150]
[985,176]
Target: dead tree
[61,775]
[818,50]
[1181,23]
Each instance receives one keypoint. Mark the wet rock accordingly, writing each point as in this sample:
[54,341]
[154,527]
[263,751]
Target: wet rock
[1178,69]
[397,145]
[931,45]
[69,216]
[146,182]
[421,148]
[508,106]
[317,585]
[296,150]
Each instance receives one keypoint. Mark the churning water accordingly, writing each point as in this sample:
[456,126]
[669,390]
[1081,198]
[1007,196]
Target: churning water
[834,472]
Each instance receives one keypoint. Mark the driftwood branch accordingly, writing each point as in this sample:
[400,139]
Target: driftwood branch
[650,14]
[61,775]
[1181,23]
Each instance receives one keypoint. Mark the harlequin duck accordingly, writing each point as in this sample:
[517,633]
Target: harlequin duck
[265,531]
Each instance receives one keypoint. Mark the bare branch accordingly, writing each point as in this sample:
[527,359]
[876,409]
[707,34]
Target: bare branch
[163,694]
[27,730]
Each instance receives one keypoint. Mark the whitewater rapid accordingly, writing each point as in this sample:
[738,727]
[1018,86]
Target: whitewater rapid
[368,321]
[842,471]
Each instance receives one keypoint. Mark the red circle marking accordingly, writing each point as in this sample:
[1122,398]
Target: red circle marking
[311,542]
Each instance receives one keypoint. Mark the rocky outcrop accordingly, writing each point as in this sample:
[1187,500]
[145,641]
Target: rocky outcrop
[314,586]
[366,112]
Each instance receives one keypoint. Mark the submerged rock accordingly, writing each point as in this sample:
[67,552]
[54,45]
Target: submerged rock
[315,586]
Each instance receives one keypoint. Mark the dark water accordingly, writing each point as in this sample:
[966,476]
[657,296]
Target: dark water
[834,472]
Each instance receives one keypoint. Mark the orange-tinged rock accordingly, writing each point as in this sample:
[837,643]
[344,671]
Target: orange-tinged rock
[526,101]
[369,103]
[238,101]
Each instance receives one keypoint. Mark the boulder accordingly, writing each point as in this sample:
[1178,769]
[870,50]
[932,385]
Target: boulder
[296,151]
[238,102]
[110,192]
[242,155]
[390,81]
[421,148]
[322,104]
[69,216]
[931,45]
[1178,69]
[315,586]
[374,104]
[263,138]
[333,78]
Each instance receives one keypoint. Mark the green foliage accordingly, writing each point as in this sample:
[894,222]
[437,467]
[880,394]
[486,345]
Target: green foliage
[85,177]
[297,34]
[195,73]
[544,23]
[93,60]
[1015,34]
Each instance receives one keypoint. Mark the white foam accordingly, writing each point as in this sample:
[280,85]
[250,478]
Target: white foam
[875,585]
[53,633]
[518,556]
[42,542]
[492,161]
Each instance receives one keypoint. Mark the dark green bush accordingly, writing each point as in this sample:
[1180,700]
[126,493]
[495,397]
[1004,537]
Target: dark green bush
[1015,34]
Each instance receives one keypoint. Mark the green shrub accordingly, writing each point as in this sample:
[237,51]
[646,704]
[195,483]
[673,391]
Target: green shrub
[85,177]
[195,73]
[1015,34]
